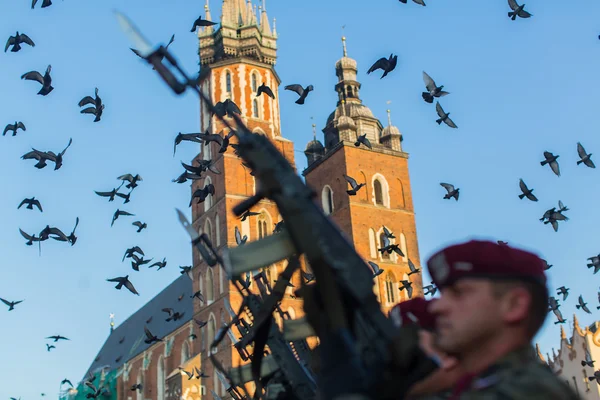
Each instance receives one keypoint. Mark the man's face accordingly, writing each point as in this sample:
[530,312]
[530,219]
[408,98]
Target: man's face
[467,313]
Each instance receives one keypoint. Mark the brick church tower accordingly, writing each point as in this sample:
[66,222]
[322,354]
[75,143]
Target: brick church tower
[386,197]
[241,54]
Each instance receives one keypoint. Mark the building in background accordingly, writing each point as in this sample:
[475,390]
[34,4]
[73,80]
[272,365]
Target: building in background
[567,363]
[241,54]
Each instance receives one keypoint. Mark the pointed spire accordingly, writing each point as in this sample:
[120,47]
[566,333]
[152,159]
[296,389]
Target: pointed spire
[314,126]
[389,116]
[233,13]
[275,27]
[249,12]
[207,29]
[254,16]
[539,352]
[112,322]
[264,20]
[344,46]
[563,335]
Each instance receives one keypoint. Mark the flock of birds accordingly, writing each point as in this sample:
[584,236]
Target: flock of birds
[95,107]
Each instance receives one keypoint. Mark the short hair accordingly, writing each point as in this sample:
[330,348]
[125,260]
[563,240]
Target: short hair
[538,308]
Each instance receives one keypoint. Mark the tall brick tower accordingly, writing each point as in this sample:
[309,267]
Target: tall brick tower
[241,54]
[386,198]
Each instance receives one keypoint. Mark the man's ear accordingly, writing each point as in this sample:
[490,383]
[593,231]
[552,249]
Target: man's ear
[516,304]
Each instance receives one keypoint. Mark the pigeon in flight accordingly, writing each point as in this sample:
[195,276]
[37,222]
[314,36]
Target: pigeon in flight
[140,225]
[137,262]
[239,240]
[15,42]
[552,304]
[413,269]
[443,116]
[550,159]
[50,347]
[429,289]
[11,304]
[45,81]
[124,281]
[376,270]
[421,2]
[117,214]
[588,360]
[564,291]
[66,381]
[585,157]
[302,92]
[526,191]
[407,285]
[131,251]
[362,139]
[57,338]
[187,271]
[595,262]
[355,186]
[559,317]
[97,106]
[554,218]
[266,90]
[387,233]
[201,22]
[45,3]
[248,214]
[546,265]
[30,203]
[111,195]
[14,127]
[226,108]
[202,194]
[160,264]
[385,64]
[43,156]
[198,294]
[432,89]
[452,192]
[30,238]
[173,315]
[133,180]
[189,137]
[137,53]
[582,305]
[387,246]
[517,10]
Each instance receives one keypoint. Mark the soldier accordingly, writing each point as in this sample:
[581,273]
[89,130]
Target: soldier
[493,301]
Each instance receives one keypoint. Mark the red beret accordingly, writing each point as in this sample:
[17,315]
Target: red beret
[484,259]
[413,311]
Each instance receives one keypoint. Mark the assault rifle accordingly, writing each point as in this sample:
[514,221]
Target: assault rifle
[337,266]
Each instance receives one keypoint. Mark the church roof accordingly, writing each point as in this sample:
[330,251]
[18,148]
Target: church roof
[390,130]
[131,331]
[346,63]
[352,110]
[314,146]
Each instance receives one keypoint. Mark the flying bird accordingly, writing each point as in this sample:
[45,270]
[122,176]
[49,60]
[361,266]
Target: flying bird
[376,270]
[30,238]
[30,203]
[50,347]
[452,192]
[159,264]
[421,2]
[429,289]
[550,159]
[302,92]
[564,291]
[187,271]
[443,116]
[585,157]
[137,53]
[133,180]
[248,214]
[173,315]
[111,195]
[190,137]
[43,156]
[517,10]
[385,64]
[124,281]
[546,265]
[137,262]
[45,3]
[66,381]
[595,262]
[150,338]
[140,225]
[588,360]
[14,127]
[239,240]
[362,139]
[387,246]
[355,186]
[266,90]
[11,304]
[197,295]
[201,22]
[432,89]
[15,42]
[307,276]
[581,304]
[407,285]
[226,108]
[57,338]
[387,233]
[202,194]
[559,317]
[131,251]
[117,214]
[97,106]
[413,269]
[45,81]
[526,191]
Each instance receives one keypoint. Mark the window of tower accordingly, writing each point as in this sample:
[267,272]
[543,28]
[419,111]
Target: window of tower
[390,288]
[228,82]
[255,108]
[327,200]
[378,192]
[349,90]
[254,83]
[385,255]
[262,226]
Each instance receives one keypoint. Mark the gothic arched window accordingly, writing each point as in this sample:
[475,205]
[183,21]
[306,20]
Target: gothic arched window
[208,202]
[378,192]
[327,200]
[212,328]
[349,90]
[185,352]
[160,379]
[385,255]
[372,245]
[255,108]
[139,393]
[210,286]
[263,227]
[228,82]
[254,83]
[390,288]
[208,229]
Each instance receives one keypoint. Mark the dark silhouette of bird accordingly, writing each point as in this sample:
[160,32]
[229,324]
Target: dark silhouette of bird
[45,3]
[376,270]
[406,285]
[15,42]
[150,338]
[385,64]
[50,347]
[124,281]
[429,290]
[226,108]
[30,238]
[594,262]
[389,247]
[585,157]
[355,186]
[413,269]
[66,381]
[266,90]
[452,192]
[302,92]
[30,203]
[137,262]
[189,137]
[202,194]
[97,106]
[159,264]
[502,243]
[200,374]
[11,304]
[526,191]
[43,156]
[201,22]
[140,225]
[173,315]
[548,213]
[188,271]
[57,338]
[443,116]
[125,196]
[559,317]
[551,160]
[387,233]
[137,53]
[14,127]
[137,386]
[362,139]
[239,240]
[248,214]
[421,2]
[552,303]
[564,291]
[45,81]
[111,195]
[200,323]
[185,176]
[308,277]
[546,265]
[517,10]
[131,251]
[432,89]
[197,295]
[588,360]
[133,180]
[554,218]
[117,214]
[583,305]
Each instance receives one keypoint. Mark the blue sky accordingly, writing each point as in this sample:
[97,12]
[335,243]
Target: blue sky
[517,88]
